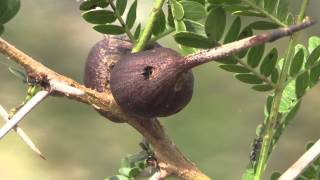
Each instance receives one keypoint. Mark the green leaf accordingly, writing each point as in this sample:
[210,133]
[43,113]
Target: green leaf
[132,14]
[275,176]
[255,55]
[223,1]
[19,74]
[282,9]
[202,2]
[275,76]
[314,42]
[180,26]
[215,23]
[269,62]
[1,29]
[235,7]
[290,19]
[118,177]
[233,31]
[248,174]
[130,172]
[193,10]
[159,24]
[246,32]
[270,5]
[177,10]
[137,31]
[263,25]
[121,6]
[248,13]
[192,40]
[228,60]
[314,75]
[234,68]
[8,9]
[262,87]
[195,27]
[248,78]
[109,29]
[313,58]
[297,63]
[99,16]
[170,18]
[302,84]
[92,4]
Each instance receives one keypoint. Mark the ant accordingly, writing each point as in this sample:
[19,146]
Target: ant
[256,146]
[151,160]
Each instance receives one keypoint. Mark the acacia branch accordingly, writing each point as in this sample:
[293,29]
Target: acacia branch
[171,160]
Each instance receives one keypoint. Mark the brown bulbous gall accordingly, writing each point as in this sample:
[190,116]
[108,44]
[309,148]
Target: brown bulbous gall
[152,83]
[101,59]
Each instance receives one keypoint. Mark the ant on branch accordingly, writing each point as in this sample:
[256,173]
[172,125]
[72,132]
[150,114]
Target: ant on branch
[151,160]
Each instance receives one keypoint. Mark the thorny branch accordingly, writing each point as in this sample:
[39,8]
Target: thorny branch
[172,161]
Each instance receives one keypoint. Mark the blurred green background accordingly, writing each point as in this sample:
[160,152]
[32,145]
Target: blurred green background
[215,130]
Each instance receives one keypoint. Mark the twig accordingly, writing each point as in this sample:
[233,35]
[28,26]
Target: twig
[37,98]
[159,175]
[21,133]
[302,163]
[64,88]
[225,50]
[165,150]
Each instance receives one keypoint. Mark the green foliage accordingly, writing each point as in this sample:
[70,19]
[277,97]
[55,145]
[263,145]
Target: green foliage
[8,9]
[103,13]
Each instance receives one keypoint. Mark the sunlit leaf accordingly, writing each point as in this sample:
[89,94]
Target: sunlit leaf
[180,26]
[314,42]
[132,14]
[215,24]
[248,13]
[193,10]
[224,1]
[248,174]
[177,10]
[109,29]
[202,2]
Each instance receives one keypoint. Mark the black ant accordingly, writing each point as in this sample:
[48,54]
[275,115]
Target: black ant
[256,146]
[151,160]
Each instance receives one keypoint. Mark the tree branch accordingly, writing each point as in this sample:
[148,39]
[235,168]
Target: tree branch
[170,158]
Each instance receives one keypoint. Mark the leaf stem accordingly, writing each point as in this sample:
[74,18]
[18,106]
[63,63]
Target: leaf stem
[266,13]
[123,24]
[253,71]
[145,36]
[268,136]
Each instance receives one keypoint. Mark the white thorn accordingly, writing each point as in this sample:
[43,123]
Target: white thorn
[64,88]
